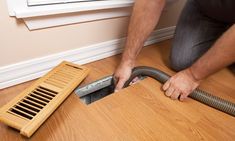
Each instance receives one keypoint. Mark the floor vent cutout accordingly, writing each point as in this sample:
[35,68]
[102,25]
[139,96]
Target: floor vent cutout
[33,106]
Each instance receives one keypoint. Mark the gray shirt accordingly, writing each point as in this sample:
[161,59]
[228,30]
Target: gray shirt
[221,10]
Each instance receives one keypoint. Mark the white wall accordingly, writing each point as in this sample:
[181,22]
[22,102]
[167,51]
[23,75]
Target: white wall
[19,44]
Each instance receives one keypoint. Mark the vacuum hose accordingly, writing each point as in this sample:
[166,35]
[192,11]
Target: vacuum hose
[199,95]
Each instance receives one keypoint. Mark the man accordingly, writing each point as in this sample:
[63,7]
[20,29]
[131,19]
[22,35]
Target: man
[204,42]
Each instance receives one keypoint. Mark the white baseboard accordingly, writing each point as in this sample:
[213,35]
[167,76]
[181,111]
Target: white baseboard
[28,70]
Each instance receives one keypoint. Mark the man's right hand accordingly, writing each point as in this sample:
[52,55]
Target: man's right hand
[143,13]
[122,74]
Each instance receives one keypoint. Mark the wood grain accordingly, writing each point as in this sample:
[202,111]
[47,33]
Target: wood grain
[140,112]
[28,110]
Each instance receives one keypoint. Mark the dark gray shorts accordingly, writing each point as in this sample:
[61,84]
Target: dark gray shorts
[197,29]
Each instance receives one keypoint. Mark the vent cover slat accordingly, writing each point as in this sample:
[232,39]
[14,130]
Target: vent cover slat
[45,92]
[32,103]
[21,113]
[71,71]
[39,97]
[29,106]
[48,90]
[59,78]
[36,100]
[65,74]
[31,112]
[54,84]
[33,106]
[48,97]
[57,81]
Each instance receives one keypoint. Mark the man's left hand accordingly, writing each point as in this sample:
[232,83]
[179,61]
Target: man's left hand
[181,85]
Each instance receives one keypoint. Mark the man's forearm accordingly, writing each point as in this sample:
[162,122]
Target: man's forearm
[144,18]
[220,55]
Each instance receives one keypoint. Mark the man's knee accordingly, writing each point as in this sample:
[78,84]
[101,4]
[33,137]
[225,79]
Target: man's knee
[180,62]
[181,57]
[184,53]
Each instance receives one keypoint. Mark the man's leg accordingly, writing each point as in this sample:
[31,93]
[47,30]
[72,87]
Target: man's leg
[195,34]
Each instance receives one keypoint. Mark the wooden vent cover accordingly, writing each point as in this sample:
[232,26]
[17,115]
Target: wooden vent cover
[33,106]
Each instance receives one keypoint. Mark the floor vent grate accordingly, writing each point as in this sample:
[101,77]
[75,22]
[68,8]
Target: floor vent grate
[33,106]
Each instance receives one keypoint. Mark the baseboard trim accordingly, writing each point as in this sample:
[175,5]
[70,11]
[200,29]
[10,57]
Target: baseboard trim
[28,70]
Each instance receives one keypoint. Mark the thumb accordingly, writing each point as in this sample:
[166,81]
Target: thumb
[120,84]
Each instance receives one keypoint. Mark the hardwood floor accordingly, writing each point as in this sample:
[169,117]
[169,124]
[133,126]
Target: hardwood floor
[140,112]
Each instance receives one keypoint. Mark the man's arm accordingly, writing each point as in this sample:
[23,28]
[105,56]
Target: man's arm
[220,55]
[145,16]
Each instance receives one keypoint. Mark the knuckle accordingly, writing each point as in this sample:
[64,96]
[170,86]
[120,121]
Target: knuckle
[167,93]
[164,87]
[173,98]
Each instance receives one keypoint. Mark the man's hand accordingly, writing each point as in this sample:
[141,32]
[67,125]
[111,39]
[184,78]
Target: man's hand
[122,74]
[180,85]
[144,18]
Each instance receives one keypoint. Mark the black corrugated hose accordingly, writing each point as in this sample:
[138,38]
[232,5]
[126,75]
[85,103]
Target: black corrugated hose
[199,95]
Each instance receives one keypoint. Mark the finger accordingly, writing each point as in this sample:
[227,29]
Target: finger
[166,85]
[175,95]
[120,84]
[169,91]
[115,80]
[183,97]
[136,79]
